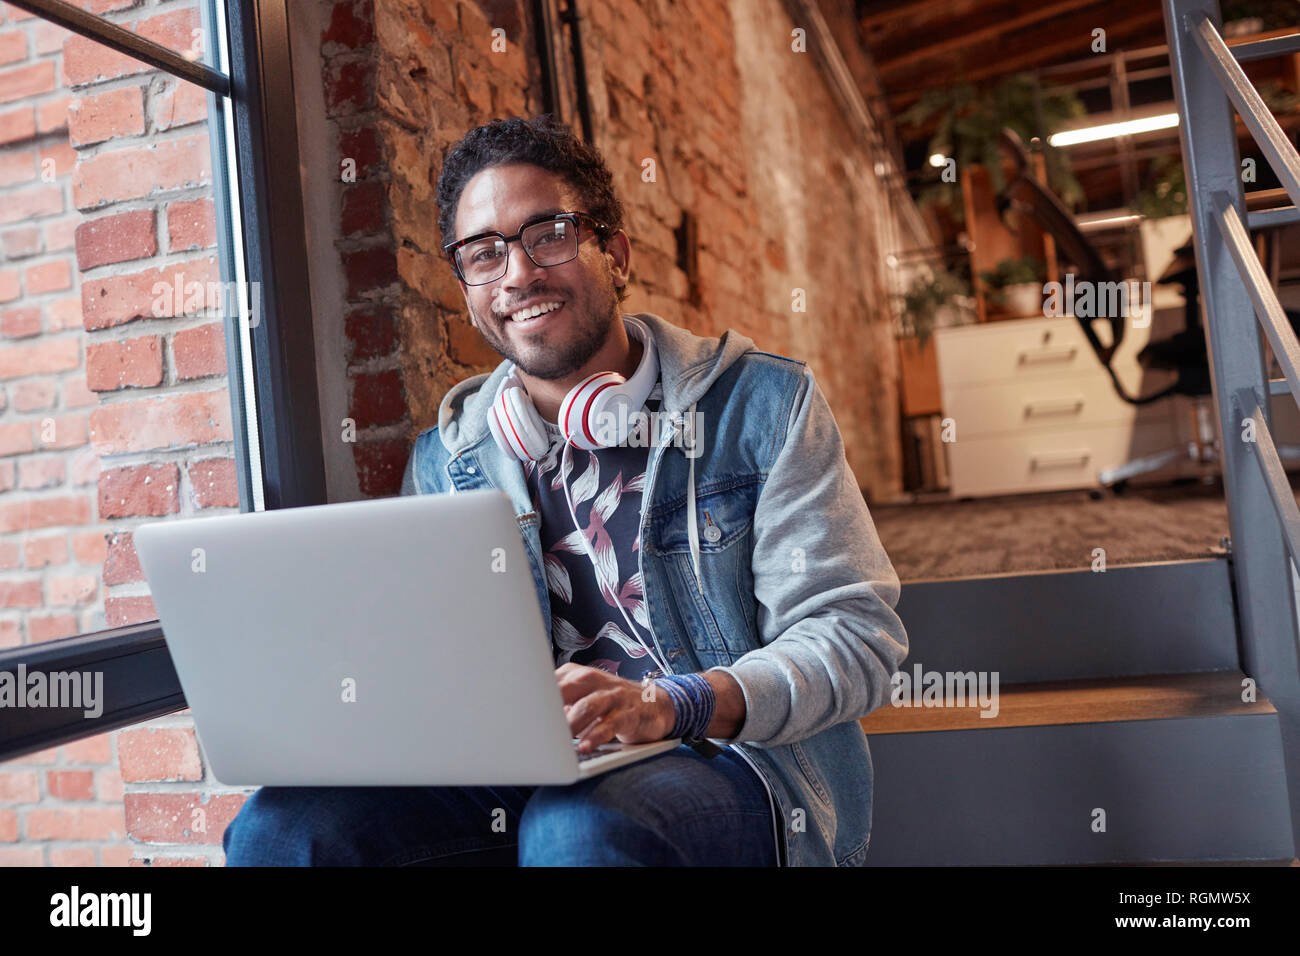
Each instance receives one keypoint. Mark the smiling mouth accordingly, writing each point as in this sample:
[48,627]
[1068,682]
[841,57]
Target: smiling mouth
[534,321]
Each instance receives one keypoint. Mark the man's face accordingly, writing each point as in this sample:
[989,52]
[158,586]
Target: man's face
[559,343]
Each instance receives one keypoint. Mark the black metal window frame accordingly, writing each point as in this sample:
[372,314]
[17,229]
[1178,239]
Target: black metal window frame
[285,468]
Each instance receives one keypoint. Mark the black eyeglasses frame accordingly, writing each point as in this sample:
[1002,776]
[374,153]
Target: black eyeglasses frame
[576,217]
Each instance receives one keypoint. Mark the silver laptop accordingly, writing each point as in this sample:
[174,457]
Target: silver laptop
[388,642]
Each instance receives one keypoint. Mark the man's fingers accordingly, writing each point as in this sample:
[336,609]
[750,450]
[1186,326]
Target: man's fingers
[624,721]
[586,710]
[577,681]
[600,706]
[603,730]
[594,735]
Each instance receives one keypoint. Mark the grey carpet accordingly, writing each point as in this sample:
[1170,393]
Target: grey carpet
[1052,530]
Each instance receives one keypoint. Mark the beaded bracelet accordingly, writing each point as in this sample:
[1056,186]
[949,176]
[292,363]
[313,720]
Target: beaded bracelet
[693,701]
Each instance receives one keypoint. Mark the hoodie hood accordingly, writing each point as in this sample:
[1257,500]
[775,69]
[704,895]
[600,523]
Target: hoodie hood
[688,365]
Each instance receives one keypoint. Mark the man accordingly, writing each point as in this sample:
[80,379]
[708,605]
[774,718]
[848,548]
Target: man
[732,588]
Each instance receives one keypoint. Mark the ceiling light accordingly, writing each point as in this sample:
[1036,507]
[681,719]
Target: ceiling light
[1090,134]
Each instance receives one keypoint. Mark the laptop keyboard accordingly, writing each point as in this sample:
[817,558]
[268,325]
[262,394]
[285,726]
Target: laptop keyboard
[603,750]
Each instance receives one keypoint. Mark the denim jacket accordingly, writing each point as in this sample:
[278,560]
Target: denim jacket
[794,596]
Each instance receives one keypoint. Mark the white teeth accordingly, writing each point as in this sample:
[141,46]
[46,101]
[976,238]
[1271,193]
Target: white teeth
[524,314]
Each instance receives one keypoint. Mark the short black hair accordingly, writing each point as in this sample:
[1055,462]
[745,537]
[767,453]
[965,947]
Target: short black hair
[540,141]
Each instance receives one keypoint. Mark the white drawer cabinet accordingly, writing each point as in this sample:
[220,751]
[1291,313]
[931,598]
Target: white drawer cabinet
[1001,408]
[1012,350]
[1047,461]
[1034,410]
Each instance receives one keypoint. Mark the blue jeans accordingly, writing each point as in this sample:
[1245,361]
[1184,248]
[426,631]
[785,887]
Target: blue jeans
[677,808]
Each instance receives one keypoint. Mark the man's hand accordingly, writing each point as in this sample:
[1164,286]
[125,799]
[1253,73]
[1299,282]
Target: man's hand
[601,706]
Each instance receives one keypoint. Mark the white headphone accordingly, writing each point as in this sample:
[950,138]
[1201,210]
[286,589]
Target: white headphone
[520,432]
[518,428]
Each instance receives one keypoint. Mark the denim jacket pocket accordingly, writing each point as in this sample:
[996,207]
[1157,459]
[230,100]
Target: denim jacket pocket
[722,614]
[724,512]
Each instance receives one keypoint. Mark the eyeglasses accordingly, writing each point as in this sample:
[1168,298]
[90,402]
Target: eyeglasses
[551,241]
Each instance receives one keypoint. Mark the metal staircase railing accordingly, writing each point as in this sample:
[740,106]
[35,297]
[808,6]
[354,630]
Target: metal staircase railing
[1263,520]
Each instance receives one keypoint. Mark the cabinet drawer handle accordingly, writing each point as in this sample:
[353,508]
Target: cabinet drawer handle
[1048,355]
[1069,406]
[1077,459]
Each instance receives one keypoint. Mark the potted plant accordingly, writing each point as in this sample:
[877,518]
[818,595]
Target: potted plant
[968,121]
[1164,187]
[927,296]
[1164,193]
[1242,17]
[1017,284]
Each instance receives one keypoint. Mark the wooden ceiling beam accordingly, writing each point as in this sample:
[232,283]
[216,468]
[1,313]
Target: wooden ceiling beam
[1038,53]
[904,8]
[963,35]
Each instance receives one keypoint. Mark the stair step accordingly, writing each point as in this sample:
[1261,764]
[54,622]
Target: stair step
[1158,618]
[1282,862]
[1182,769]
[1152,697]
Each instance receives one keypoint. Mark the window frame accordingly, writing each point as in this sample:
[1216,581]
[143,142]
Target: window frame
[261,238]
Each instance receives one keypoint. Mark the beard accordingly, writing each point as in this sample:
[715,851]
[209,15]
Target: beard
[557,352]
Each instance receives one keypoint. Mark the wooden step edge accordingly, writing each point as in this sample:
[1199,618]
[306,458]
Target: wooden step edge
[1207,558]
[1149,697]
[1278,862]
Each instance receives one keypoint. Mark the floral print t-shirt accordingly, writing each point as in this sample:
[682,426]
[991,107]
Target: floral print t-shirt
[606,488]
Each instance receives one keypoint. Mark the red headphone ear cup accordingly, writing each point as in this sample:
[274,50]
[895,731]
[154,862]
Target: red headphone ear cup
[524,425]
[496,420]
[516,426]
[569,423]
[576,421]
[502,431]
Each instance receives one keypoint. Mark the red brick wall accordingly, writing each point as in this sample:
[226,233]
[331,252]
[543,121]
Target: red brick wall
[365,248]
[113,402]
[745,136]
